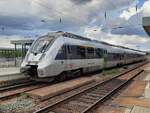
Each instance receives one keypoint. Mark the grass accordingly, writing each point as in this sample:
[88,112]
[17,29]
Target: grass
[110,72]
[12,54]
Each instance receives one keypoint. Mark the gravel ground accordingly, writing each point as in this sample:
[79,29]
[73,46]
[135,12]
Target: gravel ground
[17,106]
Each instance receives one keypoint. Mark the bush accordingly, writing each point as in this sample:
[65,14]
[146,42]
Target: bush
[12,54]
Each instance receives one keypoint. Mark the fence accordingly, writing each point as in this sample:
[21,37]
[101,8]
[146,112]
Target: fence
[11,58]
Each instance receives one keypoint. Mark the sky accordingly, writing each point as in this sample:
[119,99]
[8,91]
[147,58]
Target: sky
[117,22]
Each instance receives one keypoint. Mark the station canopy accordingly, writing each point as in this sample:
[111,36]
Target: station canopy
[22,42]
[146,24]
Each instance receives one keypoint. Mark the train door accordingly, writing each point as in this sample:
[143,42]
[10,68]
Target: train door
[61,60]
[75,56]
[69,53]
[72,58]
[124,58]
[90,59]
[99,57]
[105,57]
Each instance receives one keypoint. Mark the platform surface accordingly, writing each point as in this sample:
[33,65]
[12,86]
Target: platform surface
[10,73]
[135,98]
[58,88]
[141,104]
[138,109]
[9,70]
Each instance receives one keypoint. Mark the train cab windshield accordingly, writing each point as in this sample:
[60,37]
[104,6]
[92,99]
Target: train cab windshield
[41,45]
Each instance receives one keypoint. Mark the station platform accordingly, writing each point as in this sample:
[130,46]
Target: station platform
[133,99]
[140,104]
[10,73]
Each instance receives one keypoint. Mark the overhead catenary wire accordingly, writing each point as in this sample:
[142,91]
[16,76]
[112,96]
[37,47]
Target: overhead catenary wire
[64,14]
[130,24]
[75,18]
[59,12]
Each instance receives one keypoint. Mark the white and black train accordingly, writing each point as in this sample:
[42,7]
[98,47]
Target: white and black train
[54,54]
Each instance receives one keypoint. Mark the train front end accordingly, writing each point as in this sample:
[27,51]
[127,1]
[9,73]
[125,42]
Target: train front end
[35,57]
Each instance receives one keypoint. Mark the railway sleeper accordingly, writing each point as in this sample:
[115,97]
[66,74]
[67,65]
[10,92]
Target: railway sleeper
[90,101]
[100,91]
[101,94]
[61,110]
[104,87]
[89,97]
[78,104]
[93,95]
[74,106]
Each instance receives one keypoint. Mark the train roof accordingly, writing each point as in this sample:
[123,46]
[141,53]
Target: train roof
[74,36]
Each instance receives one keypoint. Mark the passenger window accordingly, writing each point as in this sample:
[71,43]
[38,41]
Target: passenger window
[61,55]
[69,49]
[81,52]
[76,52]
[90,52]
[72,52]
[99,53]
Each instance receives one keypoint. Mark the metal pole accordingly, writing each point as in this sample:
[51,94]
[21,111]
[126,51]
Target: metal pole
[22,51]
[15,55]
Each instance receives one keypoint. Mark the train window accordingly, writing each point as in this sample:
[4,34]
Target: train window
[61,55]
[90,52]
[76,52]
[104,52]
[99,53]
[81,52]
[72,52]
[120,56]
[68,49]
[41,45]
[110,56]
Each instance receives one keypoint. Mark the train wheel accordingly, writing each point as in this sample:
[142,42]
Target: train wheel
[62,77]
[77,73]
[80,72]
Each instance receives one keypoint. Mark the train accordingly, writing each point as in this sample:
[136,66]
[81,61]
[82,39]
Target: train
[58,55]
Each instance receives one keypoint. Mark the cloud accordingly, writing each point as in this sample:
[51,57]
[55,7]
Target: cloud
[126,14]
[5,41]
[34,17]
[132,41]
[80,2]
[131,12]
[128,21]
[146,8]
[26,15]
[74,11]
[15,7]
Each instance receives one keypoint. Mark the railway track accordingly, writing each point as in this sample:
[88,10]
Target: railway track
[9,87]
[84,101]
[11,91]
